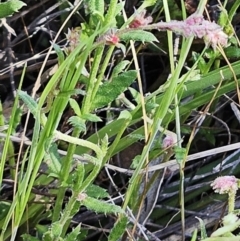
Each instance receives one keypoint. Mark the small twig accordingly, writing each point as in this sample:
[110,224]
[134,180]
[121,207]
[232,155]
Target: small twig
[170,163]
[173,163]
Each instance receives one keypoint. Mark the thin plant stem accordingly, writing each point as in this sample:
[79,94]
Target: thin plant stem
[92,79]
[102,71]
[66,168]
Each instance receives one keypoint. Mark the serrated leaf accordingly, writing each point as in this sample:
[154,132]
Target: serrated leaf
[104,144]
[96,192]
[10,7]
[73,235]
[135,94]
[78,122]
[118,229]
[28,101]
[150,106]
[54,165]
[100,206]
[91,117]
[75,106]
[98,16]
[109,91]
[56,229]
[96,6]
[135,162]
[96,9]
[47,236]
[78,177]
[138,35]
[179,153]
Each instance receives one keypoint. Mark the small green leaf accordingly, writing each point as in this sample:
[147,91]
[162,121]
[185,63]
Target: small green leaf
[148,3]
[96,6]
[91,117]
[55,164]
[135,94]
[135,162]
[119,68]
[59,53]
[138,35]
[78,177]
[125,115]
[100,206]
[47,236]
[41,229]
[28,101]
[96,10]
[104,144]
[17,118]
[109,91]
[203,229]
[137,137]
[75,106]
[225,230]
[78,122]
[10,7]
[73,235]
[118,229]
[194,236]
[4,208]
[232,52]
[56,229]
[223,18]
[151,106]
[27,237]
[179,153]
[122,47]
[96,192]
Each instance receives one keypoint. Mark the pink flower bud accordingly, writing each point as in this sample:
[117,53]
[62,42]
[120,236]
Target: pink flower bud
[140,20]
[168,141]
[110,38]
[73,36]
[225,184]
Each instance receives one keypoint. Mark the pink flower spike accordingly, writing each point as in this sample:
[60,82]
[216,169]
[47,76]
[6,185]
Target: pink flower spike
[216,37]
[194,19]
[111,38]
[140,20]
[225,184]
